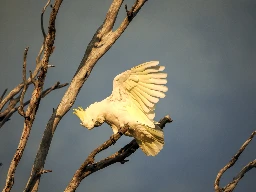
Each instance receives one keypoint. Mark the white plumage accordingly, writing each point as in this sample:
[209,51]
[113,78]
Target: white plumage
[132,102]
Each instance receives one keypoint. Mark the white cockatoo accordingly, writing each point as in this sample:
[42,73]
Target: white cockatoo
[132,102]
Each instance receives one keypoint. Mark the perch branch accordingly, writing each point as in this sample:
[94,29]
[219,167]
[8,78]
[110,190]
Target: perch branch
[89,167]
[93,53]
[231,186]
[35,98]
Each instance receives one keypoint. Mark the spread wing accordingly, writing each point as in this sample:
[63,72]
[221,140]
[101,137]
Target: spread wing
[143,85]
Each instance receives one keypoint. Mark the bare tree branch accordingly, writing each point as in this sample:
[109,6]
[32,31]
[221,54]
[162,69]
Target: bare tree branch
[131,12]
[89,167]
[231,186]
[56,86]
[14,92]
[42,18]
[2,96]
[101,42]
[110,18]
[17,89]
[44,93]
[5,116]
[35,99]
[21,108]
[38,60]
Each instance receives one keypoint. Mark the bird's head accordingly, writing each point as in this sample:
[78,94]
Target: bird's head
[90,117]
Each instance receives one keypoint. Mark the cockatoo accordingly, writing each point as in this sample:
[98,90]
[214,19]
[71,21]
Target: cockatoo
[132,102]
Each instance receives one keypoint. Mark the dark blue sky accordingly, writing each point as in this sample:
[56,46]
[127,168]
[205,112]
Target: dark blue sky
[208,48]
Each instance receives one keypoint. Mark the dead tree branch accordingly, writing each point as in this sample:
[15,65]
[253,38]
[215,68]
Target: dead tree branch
[30,113]
[101,42]
[17,89]
[89,166]
[2,96]
[5,115]
[25,87]
[44,93]
[56,86]
[9,110]
[42,18]
[231,186]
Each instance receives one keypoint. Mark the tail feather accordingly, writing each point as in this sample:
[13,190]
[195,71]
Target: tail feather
[152,143]
[147,148]
[157,132]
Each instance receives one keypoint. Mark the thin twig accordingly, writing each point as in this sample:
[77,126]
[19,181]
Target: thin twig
[45,171]
[230,164]
[56,86]
[38,58]
[4,116]
[31,78]
[50,66]
[130,12]
[2,96]
[44,93]
[21,108]
[7,117]
[42,18]
[89,167]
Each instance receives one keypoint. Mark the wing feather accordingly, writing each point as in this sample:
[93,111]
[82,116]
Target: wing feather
[154,87]
[147,96]
[152,92]
[143,66]
[143,99]
[143,85]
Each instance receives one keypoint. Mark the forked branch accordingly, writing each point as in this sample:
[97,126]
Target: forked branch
[14,92]
[89,166]
[14,109]
[231,186]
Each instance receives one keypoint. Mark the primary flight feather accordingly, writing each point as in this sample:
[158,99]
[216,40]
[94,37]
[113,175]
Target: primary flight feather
[132,102]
